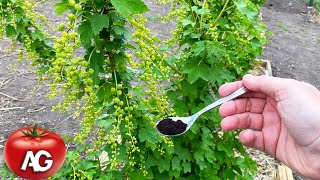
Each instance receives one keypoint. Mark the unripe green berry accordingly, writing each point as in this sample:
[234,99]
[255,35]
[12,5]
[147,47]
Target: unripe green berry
[72,2]
[71,17]
[78,7]
[119,86]
[61,27]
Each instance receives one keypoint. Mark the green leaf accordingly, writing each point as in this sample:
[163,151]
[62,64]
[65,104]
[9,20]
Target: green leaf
[196,71]
[226,147]
[198,155]
[149,134]
[21,29]
[175,163]
[246,8]
[96,63]
[120,30]
[37,34]
[186,167]
[61,7]
[199,48]
[85,32]
[129,7]
[164,165]
[98,22]
[10,31]
[216,51]
[104,92]
[186,22]
[136,175]
[202,11]
[105,121]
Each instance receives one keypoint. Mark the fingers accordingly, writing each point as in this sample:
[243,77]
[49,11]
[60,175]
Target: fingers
[268,85]
[253,139]
[243,121]
[229,88]
[254,105]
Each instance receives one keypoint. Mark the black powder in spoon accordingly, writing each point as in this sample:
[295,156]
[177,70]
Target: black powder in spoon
[170,127]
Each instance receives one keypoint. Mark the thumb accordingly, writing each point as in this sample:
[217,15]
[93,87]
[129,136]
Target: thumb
[268,85]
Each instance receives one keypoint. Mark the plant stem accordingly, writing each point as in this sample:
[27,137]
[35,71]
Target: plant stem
[193,16]
[204,3]
[222,11]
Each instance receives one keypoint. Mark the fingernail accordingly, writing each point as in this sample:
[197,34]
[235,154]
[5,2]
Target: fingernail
[248,76]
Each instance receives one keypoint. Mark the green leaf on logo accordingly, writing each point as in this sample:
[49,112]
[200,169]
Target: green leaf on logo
[129,7]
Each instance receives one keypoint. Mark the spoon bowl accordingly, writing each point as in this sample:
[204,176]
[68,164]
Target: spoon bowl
[176,126]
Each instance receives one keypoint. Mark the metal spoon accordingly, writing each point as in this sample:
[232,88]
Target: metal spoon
[191,119]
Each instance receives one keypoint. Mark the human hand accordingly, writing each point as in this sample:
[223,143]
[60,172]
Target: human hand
[280,117]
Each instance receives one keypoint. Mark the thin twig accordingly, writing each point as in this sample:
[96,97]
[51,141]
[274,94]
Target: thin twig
[11,108]
[26,76]
[32,111]
[4,82]
[8,55]
[57,125]
[48,85]
[8,96]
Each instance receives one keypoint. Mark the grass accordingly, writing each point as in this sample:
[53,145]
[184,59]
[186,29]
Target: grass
[283,26]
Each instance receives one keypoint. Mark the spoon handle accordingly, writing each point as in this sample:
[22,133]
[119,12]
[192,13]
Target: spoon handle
[231,96]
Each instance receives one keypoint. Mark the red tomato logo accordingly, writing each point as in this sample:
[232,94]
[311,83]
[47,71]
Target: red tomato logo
[34,153]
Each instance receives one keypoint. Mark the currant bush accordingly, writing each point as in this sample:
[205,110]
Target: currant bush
[127,79]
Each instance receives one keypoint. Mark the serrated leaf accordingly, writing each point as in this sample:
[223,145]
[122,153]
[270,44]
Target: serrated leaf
[106,123]
[227,148]
[215,50]
[98,22]
[104,92]
[61,7]
[96,63]
[196,71]
[245,7]
[149,134]
[164,165]
[136,175]
[198,155]
[186,167]
[186,22]
[10,31]
[121,31]
[199,48]
[85,32]
[202,11]
[129,7]
[37,34]
[175,163]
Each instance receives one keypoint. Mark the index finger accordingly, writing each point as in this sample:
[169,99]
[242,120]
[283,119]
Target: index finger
[229,88]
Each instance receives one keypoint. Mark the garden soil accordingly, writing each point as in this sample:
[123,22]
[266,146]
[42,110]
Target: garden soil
[293,49]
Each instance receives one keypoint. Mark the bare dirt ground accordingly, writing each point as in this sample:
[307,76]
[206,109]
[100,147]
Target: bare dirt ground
[293,52]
